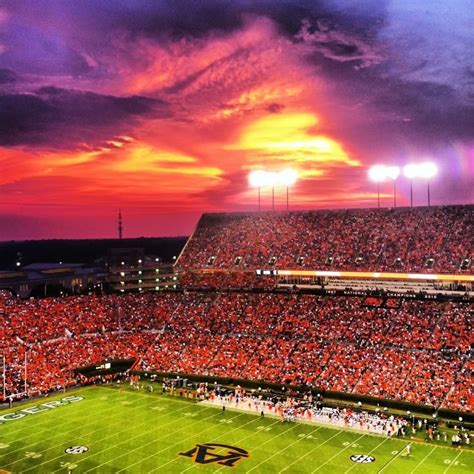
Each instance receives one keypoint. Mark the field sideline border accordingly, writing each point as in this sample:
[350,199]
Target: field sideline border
[354,430]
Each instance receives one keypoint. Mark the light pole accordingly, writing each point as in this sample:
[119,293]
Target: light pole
[257,180]
[426,170]
[377,174]
[287,178]
[266,179]
[380,174]
[411,172]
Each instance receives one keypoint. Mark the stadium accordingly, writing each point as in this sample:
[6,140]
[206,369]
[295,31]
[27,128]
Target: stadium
[256,360]
[236,236]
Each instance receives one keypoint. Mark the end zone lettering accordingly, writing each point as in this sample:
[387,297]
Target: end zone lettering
[39,408]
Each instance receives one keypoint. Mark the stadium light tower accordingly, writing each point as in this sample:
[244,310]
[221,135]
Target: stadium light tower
[287,178]
[393,172]
[377,175]
[426,170]
[411,172]
[382,173]
[257,179]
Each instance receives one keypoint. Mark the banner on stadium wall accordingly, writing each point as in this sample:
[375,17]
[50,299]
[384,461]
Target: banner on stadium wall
[371,275]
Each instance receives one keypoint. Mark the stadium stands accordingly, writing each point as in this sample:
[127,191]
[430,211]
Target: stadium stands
[416,351]
[231,323]
[427,240]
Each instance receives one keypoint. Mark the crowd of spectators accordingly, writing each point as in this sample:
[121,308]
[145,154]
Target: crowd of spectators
[436,239]
[417,351]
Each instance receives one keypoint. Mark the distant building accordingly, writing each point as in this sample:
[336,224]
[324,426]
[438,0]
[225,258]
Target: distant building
[129,269]
[45,279]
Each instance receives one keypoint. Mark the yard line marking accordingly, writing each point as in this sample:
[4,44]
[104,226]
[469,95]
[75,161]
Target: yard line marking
[311,450]
[452,463]
[390,460]
[106,427]
[279,452]
[370,452]
[337,454]
[422,461]
[248,436]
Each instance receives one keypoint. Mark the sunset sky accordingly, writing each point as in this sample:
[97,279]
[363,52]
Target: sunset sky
[161,108]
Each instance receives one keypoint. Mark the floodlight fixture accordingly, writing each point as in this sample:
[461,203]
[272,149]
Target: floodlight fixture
[411,171]
[392,172]
[381,173]
[425,170]
[428,170]
[270,179]
[257,178]
[377,173]
[287,177]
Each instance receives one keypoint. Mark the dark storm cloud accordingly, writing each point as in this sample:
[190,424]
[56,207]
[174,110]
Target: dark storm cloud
[61,118]
[7,76]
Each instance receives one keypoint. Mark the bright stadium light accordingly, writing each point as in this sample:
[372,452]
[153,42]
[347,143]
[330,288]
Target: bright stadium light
[257,178]
[287,178]
[377,173]
[426,170]
[393,172]
[270,179]
[381,173]
[411,171]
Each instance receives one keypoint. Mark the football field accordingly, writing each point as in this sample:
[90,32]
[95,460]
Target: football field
[105,429]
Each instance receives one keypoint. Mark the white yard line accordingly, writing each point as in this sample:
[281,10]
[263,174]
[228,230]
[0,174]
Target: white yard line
[310,451]
[337,454]
[390,461]
[422,461]
[282,450]
[452,463]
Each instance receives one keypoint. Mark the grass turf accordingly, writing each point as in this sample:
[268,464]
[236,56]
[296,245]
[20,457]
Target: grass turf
[127,431]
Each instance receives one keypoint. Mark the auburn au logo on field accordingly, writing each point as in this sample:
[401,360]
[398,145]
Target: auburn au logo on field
[222,454]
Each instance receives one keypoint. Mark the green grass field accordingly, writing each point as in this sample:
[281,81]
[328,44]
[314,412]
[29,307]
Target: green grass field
[127,431]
